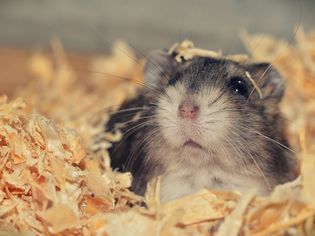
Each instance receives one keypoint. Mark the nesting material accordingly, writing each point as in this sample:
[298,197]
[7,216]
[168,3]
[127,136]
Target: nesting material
[51,183]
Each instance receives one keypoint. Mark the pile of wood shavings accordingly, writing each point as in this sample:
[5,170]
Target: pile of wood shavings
[52,184]
[46,186]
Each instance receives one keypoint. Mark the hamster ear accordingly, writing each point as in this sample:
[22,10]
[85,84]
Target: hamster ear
[268,80]
[159,67]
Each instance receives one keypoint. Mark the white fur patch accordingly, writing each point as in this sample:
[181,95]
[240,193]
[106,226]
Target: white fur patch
[181,178]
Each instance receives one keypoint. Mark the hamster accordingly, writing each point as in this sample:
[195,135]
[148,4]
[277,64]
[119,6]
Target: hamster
[202,124]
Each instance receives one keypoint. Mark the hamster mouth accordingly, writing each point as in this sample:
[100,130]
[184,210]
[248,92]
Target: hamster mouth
[193,144]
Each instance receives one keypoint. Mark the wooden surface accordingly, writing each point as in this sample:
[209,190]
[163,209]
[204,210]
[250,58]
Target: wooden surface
[14,67]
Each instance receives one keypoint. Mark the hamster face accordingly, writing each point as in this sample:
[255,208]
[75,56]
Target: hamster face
[212,120]
[205,105]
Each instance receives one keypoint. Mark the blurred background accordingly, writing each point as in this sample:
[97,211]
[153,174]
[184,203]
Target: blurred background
[89,27]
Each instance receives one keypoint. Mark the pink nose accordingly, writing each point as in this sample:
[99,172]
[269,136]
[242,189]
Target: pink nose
[188,110]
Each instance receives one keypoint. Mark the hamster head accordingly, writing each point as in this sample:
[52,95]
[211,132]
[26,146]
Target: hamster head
[205,104]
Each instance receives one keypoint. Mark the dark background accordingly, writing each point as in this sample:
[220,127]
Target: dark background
[90,25]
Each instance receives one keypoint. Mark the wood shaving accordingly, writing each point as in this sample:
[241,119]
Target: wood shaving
[186,50]
[233,222]
[254,84]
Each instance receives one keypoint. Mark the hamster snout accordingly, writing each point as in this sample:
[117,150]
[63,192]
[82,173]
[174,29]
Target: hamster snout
[188,110]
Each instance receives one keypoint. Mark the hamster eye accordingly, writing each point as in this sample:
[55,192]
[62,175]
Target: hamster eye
[238,86]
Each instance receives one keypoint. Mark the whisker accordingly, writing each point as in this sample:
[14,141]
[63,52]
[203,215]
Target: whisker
[273,140]
[127,109]
[139,149]
[238,153]
[217,99]
[253,159]
[225,109]
[132,57]
[137,120]
[152,89]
